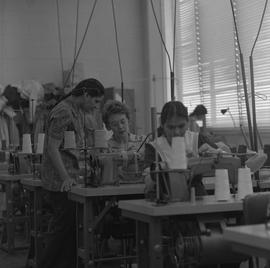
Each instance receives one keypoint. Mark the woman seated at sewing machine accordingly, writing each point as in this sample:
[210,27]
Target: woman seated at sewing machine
[116,118]
[174,123]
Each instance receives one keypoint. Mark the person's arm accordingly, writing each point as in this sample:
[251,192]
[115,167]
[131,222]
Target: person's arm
[57,126]
[55,156]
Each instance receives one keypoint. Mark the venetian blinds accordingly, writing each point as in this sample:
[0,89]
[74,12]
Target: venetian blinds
[207,58]
[249,13]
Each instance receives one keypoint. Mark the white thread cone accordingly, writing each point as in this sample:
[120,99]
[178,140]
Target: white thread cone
[178,157]
[32,109]
[222,186]
[244,183]
[26,146]
[40,144]
[107,170]
[69,140]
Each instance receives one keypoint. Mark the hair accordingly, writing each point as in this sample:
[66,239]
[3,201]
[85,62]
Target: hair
[113,107]
[171,109]
[199,110]
[91,86]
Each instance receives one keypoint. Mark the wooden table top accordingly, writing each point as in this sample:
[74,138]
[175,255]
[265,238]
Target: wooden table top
[31,182]
[108,190]
[206,205]
[5,177]
[256,236]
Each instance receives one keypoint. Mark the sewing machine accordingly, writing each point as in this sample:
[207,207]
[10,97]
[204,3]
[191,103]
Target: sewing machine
[114,168]
[175,185]
[182,231]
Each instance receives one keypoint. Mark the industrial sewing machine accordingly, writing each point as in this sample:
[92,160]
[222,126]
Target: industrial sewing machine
[175,185]
[113,168]
[196,239]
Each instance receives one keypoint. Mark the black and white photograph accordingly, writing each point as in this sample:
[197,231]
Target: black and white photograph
[134,134]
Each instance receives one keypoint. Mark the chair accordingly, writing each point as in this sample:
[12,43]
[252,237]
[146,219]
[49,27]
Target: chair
[255,206]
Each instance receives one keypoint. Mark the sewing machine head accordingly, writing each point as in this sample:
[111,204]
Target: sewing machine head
[107,168]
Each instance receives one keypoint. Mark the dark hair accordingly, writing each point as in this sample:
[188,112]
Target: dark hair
[113,107]
[173,108]
[91,86]
[199,110]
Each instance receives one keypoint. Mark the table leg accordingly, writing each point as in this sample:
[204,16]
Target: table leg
[10,224]
[141,242]
[88,217]
[38,224]
[155,243]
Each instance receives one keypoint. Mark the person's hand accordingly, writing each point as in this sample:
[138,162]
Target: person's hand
[66,185]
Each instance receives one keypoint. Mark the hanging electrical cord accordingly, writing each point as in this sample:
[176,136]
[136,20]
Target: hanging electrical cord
[174,35]
[81,44]
[257,36]
[235,27]
[164,45]
[162,40]
[243,79]
[60,40]
[76,35]
[118,51]
[252,86]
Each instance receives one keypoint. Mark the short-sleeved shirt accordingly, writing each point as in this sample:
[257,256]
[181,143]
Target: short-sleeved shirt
[134,142]
[126,172]
[65,116]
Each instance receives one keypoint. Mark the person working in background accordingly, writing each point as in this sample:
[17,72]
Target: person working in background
[198,114]
[116,118]
[60,168]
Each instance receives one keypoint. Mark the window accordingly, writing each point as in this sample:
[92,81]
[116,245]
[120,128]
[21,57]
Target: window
[207,65]
[249,14]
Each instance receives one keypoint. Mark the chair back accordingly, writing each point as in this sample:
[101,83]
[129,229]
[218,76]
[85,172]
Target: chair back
[255,206]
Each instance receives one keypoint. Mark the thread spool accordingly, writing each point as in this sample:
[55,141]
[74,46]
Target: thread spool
[191,141]
[3,102]
[40,144]
[222,186]
[178,157]
[32,109]
[245,186]
[192,195]
[69,140]
[26,145]
[100,139]
[107,176]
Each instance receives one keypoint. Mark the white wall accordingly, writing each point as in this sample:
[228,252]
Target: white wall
[29,47]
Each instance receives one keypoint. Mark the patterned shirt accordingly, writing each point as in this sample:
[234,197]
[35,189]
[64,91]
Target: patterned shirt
[127,169]
[65,116]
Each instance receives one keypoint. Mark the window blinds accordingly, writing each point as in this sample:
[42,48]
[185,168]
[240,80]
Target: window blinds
[207,58]
[249,14]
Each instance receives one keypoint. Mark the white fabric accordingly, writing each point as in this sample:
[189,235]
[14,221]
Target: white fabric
[256,161]
[166,151]
[31,89]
